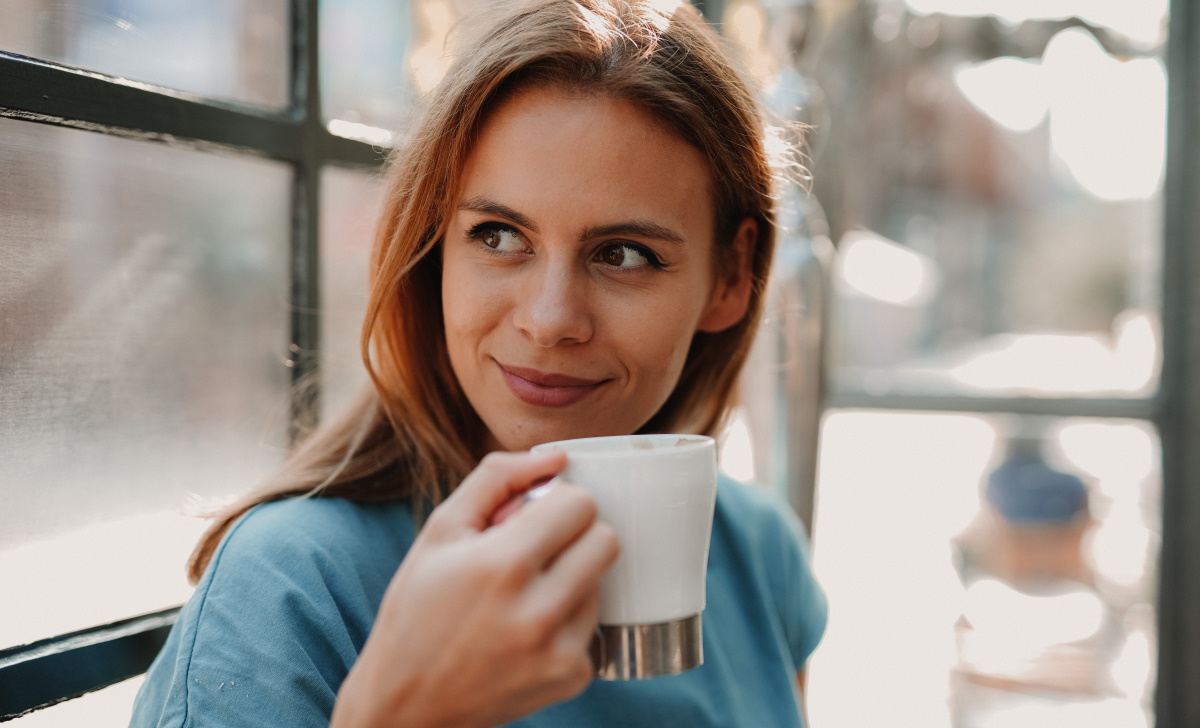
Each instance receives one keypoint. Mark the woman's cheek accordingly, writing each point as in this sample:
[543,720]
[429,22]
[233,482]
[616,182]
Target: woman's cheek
[662,338]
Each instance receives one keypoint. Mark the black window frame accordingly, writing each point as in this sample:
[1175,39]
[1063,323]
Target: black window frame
[60,668]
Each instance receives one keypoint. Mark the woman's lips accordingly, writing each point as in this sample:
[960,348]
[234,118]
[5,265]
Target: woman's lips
[547,390]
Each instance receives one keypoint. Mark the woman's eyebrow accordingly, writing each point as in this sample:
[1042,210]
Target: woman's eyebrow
[639,228]
[487,206]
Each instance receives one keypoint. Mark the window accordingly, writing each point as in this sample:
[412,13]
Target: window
[170,188]
[1006,292]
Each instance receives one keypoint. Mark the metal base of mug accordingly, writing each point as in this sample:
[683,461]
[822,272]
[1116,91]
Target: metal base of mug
[637,651]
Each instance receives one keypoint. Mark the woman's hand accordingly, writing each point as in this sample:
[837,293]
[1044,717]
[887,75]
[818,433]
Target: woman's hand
[482,625]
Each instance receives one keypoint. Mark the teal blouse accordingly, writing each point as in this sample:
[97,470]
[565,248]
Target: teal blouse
[290,596]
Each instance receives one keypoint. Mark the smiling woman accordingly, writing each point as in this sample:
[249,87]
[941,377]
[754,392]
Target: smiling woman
[582,271]
[575,243]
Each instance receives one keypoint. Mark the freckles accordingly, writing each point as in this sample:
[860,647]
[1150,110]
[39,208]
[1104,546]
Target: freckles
[658,337]
[473,306]
[455,323]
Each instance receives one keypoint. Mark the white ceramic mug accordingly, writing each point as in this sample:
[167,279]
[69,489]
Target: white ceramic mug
[658,493]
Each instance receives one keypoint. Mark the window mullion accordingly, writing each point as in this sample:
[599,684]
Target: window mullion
[306,211]
[1177,700]
[1109,407]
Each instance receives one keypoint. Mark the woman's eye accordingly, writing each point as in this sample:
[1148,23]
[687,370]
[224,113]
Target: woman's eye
[501,238]
[626,255]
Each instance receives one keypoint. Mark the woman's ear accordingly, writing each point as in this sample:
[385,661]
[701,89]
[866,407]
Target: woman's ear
[731,294]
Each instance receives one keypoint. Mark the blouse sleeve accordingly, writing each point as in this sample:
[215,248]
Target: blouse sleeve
[799,598]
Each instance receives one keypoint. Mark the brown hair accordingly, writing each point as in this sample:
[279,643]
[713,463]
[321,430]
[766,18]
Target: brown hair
[413,432]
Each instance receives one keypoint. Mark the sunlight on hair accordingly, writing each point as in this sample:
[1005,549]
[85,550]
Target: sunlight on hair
[783,145]
[667,7]
[596,23]
[666,10]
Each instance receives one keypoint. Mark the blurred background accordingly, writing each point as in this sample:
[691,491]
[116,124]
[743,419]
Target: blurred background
[954,386]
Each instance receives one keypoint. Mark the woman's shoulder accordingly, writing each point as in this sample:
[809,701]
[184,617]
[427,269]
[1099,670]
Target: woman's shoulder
[279,617]
[764,531]
[313,543]
[754,507]
[321,523]
[759,527]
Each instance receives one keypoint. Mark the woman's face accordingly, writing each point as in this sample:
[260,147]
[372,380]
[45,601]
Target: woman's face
[577,267]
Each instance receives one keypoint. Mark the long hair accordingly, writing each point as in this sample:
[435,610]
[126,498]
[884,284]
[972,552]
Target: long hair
[412,433]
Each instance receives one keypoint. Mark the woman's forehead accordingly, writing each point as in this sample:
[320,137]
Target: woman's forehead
[544,151]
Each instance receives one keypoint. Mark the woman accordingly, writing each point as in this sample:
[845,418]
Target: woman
[575,243]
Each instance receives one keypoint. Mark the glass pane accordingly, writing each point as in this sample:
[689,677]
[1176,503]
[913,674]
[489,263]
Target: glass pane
[367,84]
[986,571]
[350,203]
[992,173]
[143,345]
[230,49]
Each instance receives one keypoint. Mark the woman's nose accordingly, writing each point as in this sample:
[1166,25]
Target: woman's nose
[553,308]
